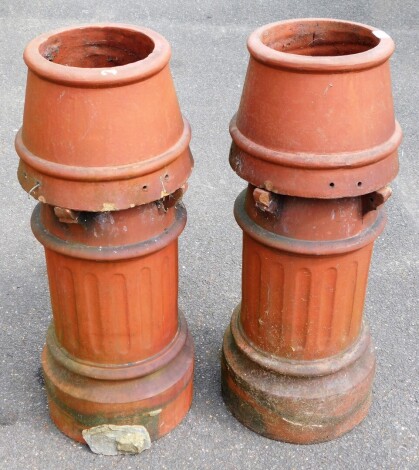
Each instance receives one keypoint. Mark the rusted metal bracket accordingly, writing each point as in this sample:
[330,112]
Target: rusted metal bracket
[374,200]
[67,216]
[172,199]
[380,197]
[265,200]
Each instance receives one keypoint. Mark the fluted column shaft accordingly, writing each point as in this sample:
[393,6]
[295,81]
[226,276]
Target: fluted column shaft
[305,305]
[302,308]
[107,308]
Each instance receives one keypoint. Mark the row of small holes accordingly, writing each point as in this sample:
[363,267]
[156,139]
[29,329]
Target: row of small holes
[332,185]
[166,177]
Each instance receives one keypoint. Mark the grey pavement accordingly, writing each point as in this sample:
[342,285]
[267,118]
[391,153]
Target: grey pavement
[209,62]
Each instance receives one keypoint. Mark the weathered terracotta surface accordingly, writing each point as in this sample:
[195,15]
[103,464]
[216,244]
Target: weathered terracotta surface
[116,351]
[105,150]
[316,116]
[102,129]
[315,137]
[295,401]
[303,299]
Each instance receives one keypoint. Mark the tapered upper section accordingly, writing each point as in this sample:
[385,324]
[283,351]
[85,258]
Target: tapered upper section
[102,129]
[316,116]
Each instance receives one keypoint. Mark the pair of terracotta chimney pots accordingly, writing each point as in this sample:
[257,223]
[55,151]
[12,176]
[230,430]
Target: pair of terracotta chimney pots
[105,150]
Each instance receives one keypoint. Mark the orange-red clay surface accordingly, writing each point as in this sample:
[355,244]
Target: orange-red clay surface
[105,150]
[315,136]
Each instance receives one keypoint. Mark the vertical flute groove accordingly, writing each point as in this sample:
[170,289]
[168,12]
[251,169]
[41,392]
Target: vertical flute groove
[351,312]
[301,308]
[255,308]
[327,308]
[165,301]
[146,307]
[68,306]
[273,327]
[120,314]
[92,322]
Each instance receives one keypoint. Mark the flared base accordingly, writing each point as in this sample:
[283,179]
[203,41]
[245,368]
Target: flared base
[278,401]
[157,399]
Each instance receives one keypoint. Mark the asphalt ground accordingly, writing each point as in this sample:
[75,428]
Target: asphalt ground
[208,64]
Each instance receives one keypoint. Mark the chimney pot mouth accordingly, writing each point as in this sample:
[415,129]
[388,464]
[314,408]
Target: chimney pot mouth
[97,55]
[320,45]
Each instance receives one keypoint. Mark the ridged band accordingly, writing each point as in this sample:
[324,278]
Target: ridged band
[284,366]
[330,176]
[108,173]
[316,161]
[306,247]
[118,371]
[107,253]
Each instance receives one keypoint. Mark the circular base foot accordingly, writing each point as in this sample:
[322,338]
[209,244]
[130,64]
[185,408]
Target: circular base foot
[294,408]
[158,400]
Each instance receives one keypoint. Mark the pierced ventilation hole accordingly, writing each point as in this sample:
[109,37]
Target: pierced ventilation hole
[359,183]
[145,187]
[332,185]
